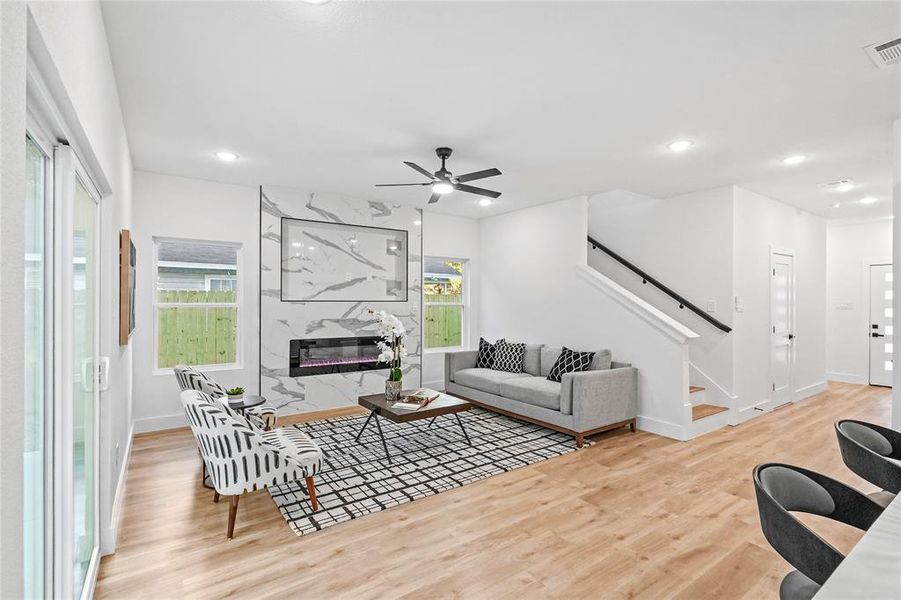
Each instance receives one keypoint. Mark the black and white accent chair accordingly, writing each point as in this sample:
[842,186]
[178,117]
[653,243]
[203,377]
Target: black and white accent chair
[189,378]
[240,458]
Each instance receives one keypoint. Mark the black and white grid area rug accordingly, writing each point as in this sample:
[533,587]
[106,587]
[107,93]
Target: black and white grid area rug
[356,479]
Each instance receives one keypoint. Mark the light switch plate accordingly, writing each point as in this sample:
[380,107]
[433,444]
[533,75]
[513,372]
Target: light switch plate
[739,305]
[711,306]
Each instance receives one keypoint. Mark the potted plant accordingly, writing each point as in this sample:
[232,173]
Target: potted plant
[235,394]
[392,350]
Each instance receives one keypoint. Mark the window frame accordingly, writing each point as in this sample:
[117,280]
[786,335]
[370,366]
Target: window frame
[463,304]
[238,304]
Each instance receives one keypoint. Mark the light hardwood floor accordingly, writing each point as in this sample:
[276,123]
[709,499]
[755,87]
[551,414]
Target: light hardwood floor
[636,515]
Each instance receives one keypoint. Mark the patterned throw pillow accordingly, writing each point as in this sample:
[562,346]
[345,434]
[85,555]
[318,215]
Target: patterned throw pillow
[485,359]
[509,357]
[570,361]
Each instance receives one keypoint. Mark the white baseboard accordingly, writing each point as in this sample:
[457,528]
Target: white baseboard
[110,534]
[160,423]
[809,390]
[848,377]
[664,428]
[749,412]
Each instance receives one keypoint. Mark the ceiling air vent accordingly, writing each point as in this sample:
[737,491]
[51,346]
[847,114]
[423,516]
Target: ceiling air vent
[886,54]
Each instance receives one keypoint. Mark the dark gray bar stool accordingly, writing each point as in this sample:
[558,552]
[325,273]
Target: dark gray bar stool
[874,453]
[783,488]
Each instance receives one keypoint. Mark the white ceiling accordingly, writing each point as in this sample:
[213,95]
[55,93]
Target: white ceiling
[563,98]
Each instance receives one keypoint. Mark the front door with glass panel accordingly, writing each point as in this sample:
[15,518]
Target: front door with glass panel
[881,331]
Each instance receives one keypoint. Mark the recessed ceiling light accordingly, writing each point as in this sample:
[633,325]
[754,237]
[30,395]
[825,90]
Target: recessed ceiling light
[417,222]
[836,205]
[442,187]
[796,159]
[311,248]
[845,187]
[226,156]
[680,145]
[868,200]
[296,244]
[485,202]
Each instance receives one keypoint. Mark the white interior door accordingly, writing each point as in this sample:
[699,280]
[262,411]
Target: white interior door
[782,323]
[881,331]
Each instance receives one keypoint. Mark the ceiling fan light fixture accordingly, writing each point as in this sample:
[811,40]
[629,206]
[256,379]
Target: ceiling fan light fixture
[485,202]
[868,200]
[795,159]
[442,187]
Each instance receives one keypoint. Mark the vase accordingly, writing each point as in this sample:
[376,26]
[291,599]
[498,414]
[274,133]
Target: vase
[392,390]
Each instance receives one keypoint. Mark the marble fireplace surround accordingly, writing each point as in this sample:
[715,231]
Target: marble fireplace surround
[281,322]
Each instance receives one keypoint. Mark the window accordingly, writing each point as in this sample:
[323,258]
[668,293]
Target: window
[444,296]
[197,303]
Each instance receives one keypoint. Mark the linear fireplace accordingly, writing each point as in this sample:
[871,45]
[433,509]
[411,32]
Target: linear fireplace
[333,355]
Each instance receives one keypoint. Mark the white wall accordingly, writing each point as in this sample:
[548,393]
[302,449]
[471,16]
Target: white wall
[686,243]
[12,292]
[448,236]
[762,224]
[530,292]
[168,206]
[850,249]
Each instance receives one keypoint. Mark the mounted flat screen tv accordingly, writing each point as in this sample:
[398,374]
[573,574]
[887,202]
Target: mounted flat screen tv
[336,262]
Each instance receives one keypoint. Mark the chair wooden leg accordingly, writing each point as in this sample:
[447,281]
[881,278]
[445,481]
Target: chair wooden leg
[215,496]
[580,440]
[311,489]
[632,426]
[232,513]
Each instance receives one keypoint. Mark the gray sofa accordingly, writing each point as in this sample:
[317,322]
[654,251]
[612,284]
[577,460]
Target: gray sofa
[585,403]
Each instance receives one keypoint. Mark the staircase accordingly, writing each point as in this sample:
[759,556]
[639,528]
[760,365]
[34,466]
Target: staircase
[705,417]
[705,411]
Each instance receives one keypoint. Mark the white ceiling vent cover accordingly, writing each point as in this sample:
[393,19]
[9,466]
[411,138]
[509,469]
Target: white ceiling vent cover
[886,54]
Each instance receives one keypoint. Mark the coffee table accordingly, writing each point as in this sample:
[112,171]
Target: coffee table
[380,407]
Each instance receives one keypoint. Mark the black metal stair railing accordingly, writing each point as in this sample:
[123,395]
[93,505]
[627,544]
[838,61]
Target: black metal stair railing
[645,278]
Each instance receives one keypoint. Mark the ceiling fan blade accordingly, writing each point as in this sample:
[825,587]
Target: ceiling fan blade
[416,167]
[475,190]
[434,198]
[478,175]
[399,184]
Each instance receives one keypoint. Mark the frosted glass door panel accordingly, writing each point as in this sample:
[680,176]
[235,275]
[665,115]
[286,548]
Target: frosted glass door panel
[335,262]
[881,330]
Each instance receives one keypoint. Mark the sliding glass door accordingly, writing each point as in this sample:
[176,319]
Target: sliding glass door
[36,373]
[84,398]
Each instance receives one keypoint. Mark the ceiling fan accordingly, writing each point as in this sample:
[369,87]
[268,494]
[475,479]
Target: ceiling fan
[444,182]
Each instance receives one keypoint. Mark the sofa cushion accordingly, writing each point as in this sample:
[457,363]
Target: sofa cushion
[570,361]
[536,391]
[531,361]
[603,360]
[487,380]
[549,355]
[508,356]
[485,359]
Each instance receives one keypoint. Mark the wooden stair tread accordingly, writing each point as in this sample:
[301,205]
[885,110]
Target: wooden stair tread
[700,411]
[695,388]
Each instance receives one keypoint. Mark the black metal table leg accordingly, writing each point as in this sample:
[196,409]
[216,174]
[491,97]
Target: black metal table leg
[363,428]
[384,443]
[430,422]
[460,422]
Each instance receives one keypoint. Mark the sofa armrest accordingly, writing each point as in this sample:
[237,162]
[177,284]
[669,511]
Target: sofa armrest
[456,361]
[603,397]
